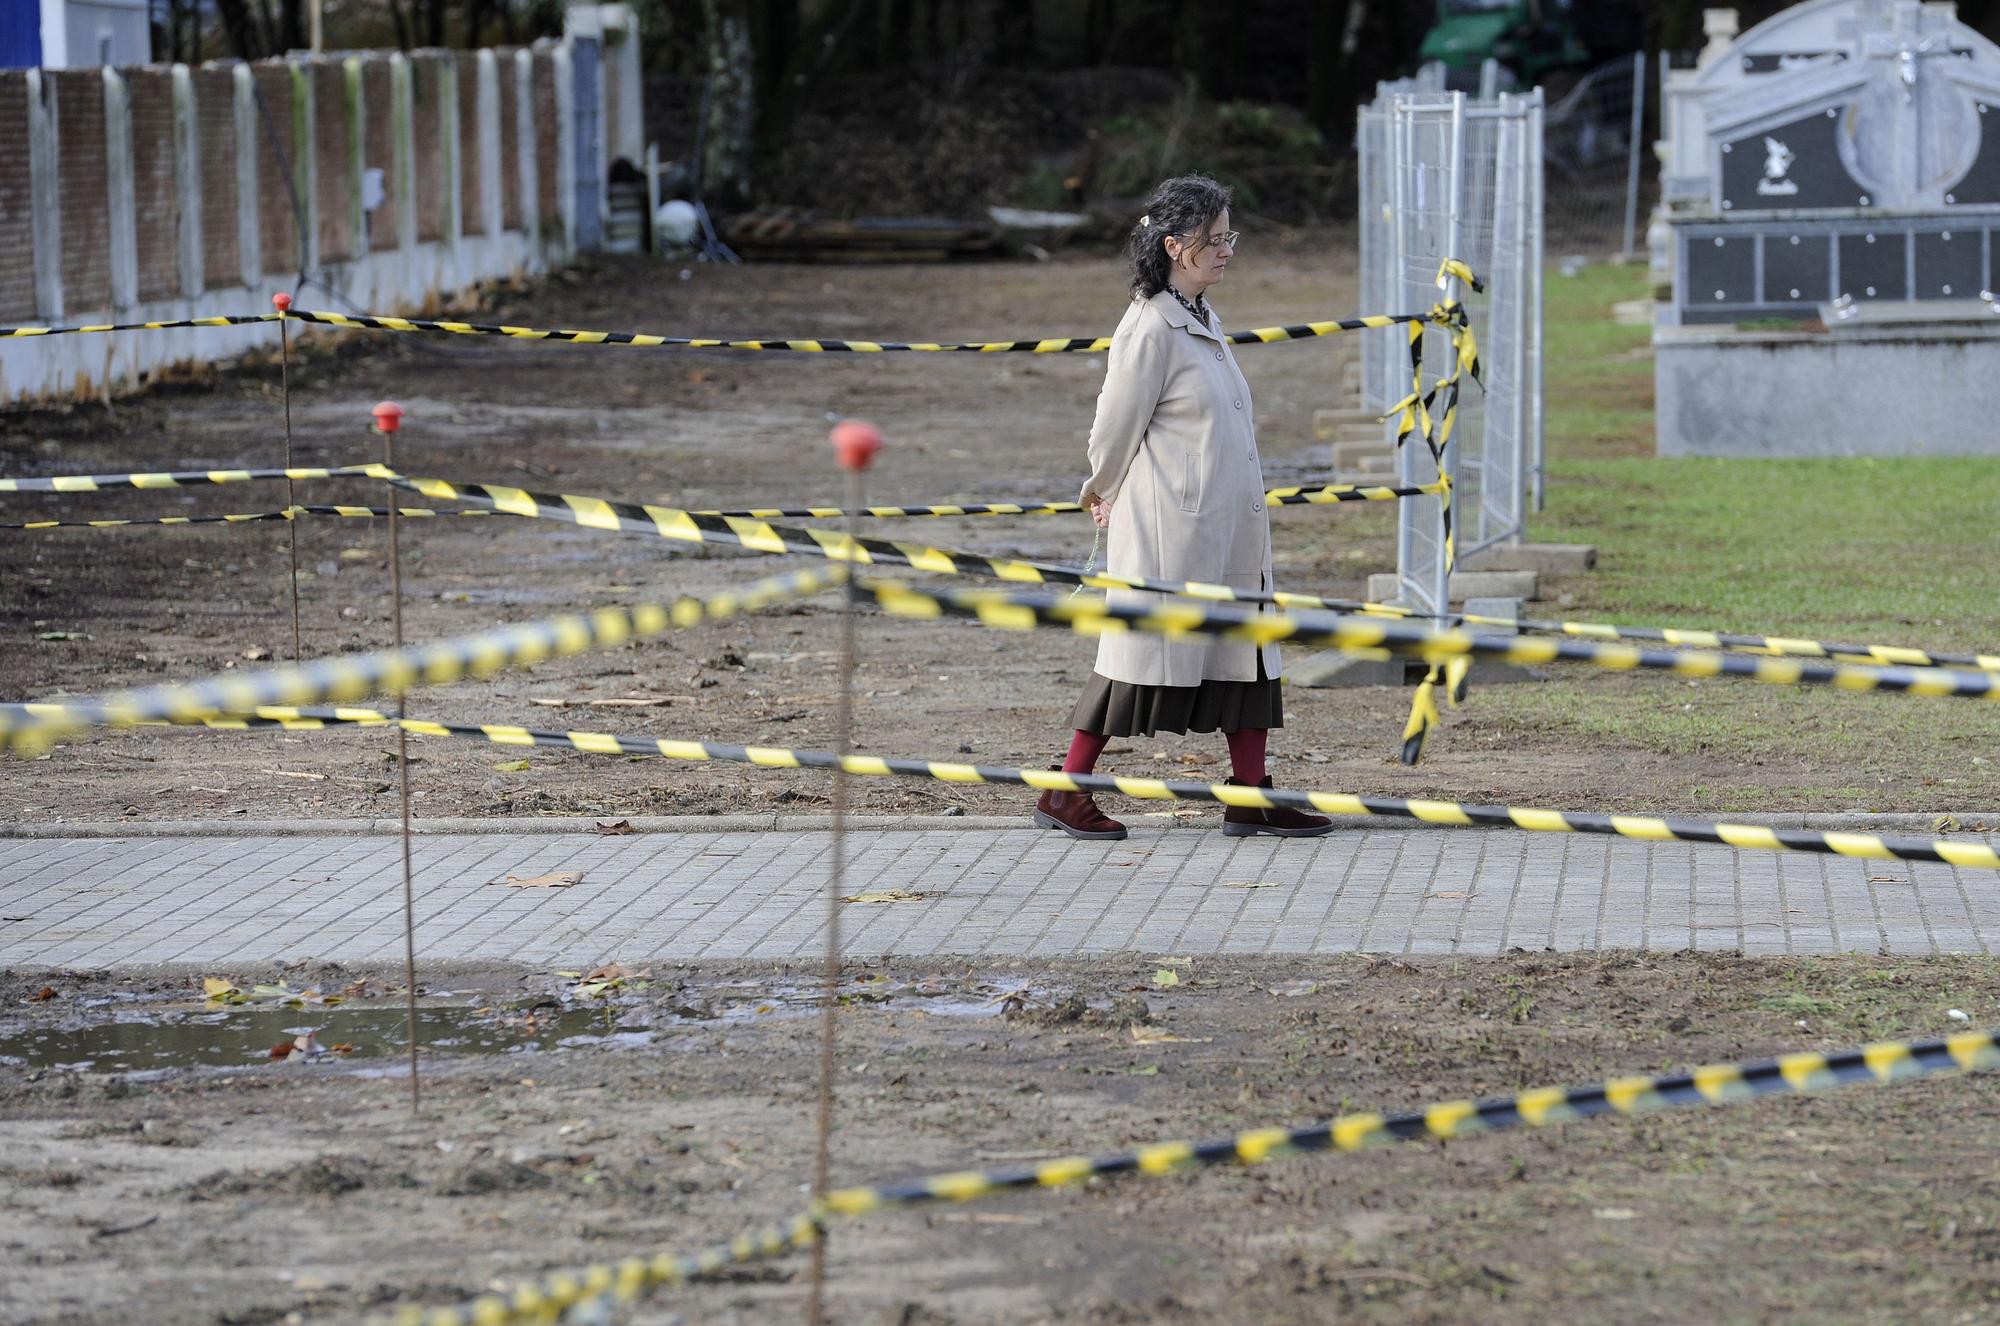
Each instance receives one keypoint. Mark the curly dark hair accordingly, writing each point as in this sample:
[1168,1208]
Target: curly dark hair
[1184,206]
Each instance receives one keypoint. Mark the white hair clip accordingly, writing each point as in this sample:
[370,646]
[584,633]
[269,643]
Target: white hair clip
[1146,220]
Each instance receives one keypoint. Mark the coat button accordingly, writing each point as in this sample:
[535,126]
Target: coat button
[1256,506]
[1218,354]
[1239,405]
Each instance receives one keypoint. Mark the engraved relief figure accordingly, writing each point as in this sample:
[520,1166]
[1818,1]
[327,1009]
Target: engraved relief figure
[1777,160]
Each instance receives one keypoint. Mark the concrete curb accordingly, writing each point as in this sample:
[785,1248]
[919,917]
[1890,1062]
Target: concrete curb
[1903,822]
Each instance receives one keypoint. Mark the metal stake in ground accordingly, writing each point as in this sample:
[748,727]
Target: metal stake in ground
[283,303]
[855,444]
[389,418]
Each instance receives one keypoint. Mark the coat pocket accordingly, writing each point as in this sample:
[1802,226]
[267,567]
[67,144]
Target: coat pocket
[1190,482]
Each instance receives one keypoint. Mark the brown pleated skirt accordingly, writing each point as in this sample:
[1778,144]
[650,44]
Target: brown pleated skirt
[1123,709]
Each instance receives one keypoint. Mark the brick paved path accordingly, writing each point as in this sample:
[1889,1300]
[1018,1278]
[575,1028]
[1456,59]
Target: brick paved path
[107,902]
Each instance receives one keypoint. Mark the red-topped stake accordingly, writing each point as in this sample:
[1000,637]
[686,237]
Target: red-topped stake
[855,443]
[388,417]
[281,302]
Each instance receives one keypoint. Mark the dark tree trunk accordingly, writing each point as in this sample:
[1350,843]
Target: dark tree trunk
[1330,99]
[402,20]
[434,22]
[899,21]
[1192,55]
[776,38]
[732,104]
[1100,17]
[295,28]
[1014,34]
[241,29]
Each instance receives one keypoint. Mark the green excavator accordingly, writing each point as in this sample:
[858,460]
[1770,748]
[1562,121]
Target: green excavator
[1532,39]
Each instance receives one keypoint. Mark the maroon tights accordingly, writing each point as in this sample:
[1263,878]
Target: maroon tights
[1246,752]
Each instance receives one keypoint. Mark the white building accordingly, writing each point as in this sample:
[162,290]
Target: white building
[75,34]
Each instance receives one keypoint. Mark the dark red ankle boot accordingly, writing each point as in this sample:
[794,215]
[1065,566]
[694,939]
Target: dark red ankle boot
[1282,822]
[1076,814]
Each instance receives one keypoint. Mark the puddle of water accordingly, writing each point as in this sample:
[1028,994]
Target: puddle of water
[235,1037]
[137,1036]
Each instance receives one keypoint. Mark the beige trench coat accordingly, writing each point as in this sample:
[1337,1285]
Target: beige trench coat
[1174,450]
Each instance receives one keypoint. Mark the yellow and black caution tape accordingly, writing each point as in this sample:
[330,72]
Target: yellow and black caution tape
[819,345]
[759,535]
[1883,1063]
[1773,645]
[1017,611]
[1776,646]
[177,324]
[93,483]
[1650,828]
[1423,707]
[1312,495]
[248,517]
[359,675]
[805,345]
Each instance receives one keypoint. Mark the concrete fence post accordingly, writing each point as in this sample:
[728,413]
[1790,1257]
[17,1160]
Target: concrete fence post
[121,219]
[187,182]
[403,153]
[249,234]
[565,79]
[489,143]
[524,147]
[450,145]
[357,156]
[44,196]
[304,164]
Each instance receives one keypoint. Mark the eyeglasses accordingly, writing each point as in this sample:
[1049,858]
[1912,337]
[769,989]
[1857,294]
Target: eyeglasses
[1226,238]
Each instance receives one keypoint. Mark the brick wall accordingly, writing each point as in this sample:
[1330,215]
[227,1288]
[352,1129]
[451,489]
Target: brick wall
[510,143]
[156,199]
[381,151]
[545,140]
[86,230]
[468,144]
[17,222]
[330,162]
[427,154]
[215,117]
[277,222]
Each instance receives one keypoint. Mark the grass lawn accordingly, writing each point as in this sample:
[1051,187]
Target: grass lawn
[1866,550]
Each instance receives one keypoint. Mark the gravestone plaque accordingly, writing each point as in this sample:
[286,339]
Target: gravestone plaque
[1831,223]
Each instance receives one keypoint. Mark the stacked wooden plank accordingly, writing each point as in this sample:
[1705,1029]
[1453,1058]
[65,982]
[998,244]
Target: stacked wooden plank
[791,234]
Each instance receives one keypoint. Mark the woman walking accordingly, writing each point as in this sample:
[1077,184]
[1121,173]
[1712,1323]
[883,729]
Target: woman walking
[1176,484]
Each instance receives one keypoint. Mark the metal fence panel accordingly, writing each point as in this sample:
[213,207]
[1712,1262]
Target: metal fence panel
[1426,145]
[1445,176]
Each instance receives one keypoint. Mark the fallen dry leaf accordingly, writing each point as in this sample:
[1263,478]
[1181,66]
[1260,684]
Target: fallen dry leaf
[615,971]
[304,1046]
[46,993]
[1166,977]
[216,987]
[555,879]
[1161,1036]
[892,895]
[612,828]
[511,766]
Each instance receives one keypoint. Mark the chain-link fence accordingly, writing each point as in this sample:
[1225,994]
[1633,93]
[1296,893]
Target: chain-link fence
[1442,176]
[1595,140]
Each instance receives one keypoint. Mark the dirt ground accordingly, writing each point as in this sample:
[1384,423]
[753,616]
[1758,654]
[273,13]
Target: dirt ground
[139,605]
[281,1192]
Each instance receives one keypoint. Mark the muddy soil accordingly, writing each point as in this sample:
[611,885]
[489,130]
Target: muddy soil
[90,610]
[668,1116]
